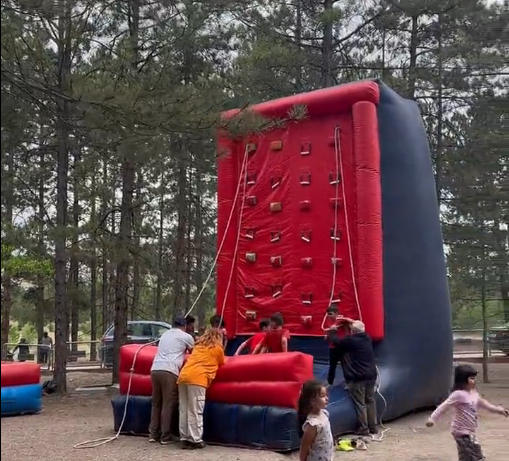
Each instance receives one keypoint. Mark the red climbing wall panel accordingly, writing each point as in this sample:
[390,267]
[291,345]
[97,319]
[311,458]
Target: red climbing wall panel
[284,257]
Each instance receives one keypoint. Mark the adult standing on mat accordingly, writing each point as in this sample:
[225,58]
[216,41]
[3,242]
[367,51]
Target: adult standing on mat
[357,357]
[164,373]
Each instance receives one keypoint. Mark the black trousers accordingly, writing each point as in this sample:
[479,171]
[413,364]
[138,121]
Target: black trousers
[334,358]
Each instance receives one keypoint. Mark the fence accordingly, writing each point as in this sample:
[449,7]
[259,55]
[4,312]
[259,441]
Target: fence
[470,342]
[79,354]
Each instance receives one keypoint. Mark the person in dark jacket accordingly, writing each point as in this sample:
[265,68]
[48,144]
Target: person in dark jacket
[359,369]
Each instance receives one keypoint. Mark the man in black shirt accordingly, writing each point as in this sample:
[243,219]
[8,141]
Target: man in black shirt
[359,369]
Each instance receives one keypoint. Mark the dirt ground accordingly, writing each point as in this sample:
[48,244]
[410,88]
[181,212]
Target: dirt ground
[79,417]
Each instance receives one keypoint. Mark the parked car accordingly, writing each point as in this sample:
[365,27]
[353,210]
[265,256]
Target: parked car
[499,338]
[138,332]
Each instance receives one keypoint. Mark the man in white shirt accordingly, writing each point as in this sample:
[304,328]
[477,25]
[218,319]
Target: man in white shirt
[168,361]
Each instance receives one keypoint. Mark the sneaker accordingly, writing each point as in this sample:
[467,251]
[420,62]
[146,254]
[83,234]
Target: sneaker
[152,440]
[169,441]
[377,437]
[184,444]
[360,444]
[196,446]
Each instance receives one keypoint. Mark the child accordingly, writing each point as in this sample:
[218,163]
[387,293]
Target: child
[465,400]
[333,323]
[317,442]
[256,339]
[194,380]
[276,339]
[217,323]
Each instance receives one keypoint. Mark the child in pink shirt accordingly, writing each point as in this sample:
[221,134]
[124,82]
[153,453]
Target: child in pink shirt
[465,401]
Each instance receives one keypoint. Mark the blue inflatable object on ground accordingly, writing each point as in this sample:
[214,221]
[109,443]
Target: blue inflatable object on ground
[240,425]
[19,400]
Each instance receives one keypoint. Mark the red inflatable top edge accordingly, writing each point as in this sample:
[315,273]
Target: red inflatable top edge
[319,102]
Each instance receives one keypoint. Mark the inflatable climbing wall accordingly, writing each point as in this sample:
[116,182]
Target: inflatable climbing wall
[340,206]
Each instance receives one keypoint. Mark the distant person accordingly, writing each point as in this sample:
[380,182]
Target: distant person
[194,380]
[276,338]
[317,442]
[164,373]
[46,347]
[359,369]
[21,351]
[217,323]
[251,343]
[465,401]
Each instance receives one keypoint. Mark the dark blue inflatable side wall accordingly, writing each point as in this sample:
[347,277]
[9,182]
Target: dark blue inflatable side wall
[416,356]
[237,425]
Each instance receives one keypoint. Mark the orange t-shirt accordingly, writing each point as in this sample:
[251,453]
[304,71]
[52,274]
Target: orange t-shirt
[201,366]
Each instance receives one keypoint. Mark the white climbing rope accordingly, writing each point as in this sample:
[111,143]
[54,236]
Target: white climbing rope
[243,172]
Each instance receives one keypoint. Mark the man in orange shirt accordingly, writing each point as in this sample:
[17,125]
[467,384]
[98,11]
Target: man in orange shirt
[256,339]
[276,339]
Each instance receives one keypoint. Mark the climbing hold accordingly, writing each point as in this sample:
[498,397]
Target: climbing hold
[307,298]
[306,319]
[306,235]
[275,181]
[305,205]
[305,149]
[250,316]
[251,148]
[334,178]
[275,236]
[335,202]
[251,179]
[251,200]
[275,207]
[335,297]
[250,234]
[335,234]
[337,261]
[306,263]
[305,179]
[276,261]
[276,145]
[249,292]
[277,290]
[251,257]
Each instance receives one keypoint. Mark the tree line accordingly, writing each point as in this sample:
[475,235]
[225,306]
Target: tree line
[109,111]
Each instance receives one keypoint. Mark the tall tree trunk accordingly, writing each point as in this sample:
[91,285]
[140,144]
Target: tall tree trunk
[104,249]
[327,47]
[62,131]
[93,278]
[180,243]
[440,116]
[412,69]
[39,323]
[135,305]
[189,244]
[8,199]
[198,244]
[128,175]
[160,236]
[74,275]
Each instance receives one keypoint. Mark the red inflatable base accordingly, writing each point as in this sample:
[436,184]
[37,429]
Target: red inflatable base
[20,374]
[266,379]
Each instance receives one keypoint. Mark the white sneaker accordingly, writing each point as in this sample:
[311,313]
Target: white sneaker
[377,437]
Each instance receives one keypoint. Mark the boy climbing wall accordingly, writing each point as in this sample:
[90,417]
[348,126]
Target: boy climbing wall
[276,339]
